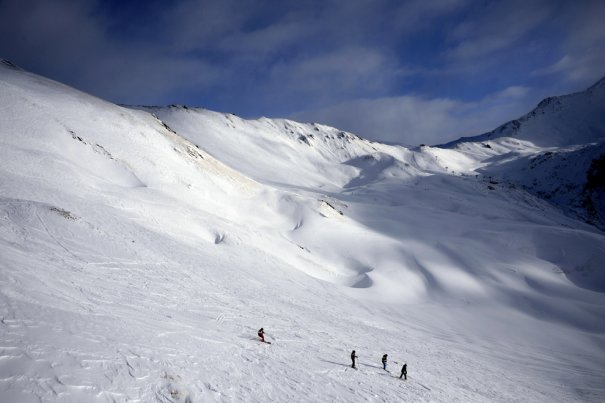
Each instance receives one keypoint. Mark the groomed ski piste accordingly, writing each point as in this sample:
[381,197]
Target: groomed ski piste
[142,248]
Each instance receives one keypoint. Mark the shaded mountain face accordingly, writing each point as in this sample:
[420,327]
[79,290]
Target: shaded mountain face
[553,152]
[142,249]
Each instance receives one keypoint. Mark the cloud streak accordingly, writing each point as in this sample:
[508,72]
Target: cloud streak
[498,26]
[583,49]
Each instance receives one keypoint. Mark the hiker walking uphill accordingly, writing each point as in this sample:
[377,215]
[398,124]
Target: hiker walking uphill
[404,372]
[353,356]
[384,362]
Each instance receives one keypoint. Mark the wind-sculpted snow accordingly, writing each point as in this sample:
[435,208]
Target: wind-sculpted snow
[141,250]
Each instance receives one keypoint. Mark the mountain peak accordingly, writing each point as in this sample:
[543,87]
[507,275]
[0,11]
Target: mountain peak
[600,85]
[557,121]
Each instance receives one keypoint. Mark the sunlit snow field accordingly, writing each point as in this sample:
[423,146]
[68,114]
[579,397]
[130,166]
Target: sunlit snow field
[141,250]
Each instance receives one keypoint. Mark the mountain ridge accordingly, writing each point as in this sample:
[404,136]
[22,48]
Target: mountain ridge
[141,253]
[550,105]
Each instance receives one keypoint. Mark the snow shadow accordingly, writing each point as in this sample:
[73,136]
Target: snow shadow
[336,363]
[579,255]
[362,279]
[371,167]
[372,366]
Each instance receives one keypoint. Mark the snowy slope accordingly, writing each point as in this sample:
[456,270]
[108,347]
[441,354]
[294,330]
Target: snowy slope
[552,152]
[139,255]
[559,121]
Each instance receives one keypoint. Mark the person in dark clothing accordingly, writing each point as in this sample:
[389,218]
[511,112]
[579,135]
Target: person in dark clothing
[261,334]
[384,362]
[404,372]
[353,356]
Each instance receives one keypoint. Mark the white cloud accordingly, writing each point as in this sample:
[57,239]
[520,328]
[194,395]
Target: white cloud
[414,119]
[346,71]
[491,33]
[512,92]
[583,61]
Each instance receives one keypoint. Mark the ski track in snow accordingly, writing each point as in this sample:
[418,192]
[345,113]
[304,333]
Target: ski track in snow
[139,257]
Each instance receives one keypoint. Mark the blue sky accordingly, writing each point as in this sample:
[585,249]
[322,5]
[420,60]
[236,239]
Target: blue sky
[417,71]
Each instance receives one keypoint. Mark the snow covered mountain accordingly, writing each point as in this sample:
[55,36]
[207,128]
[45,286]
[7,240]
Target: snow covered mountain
[575,119]
[556,152]
[141,249]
